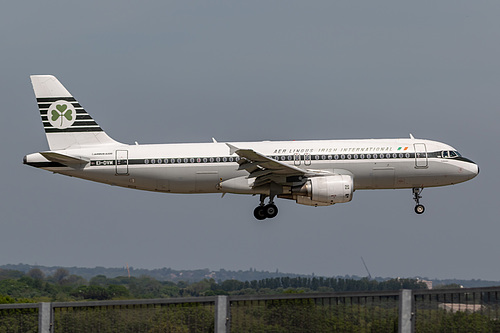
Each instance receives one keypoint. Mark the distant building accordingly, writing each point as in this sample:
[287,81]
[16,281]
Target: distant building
[428,283]
[455,307]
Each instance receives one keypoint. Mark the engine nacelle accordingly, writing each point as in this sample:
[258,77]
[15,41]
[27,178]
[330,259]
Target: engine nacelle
[328,190]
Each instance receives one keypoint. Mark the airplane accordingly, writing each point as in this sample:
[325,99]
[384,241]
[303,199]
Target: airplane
[312,173]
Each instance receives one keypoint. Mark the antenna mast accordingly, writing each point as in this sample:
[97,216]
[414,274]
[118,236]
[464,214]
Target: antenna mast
[369,275]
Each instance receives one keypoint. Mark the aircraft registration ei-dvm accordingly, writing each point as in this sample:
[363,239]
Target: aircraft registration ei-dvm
[313,173]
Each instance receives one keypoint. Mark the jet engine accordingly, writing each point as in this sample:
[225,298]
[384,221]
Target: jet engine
[325,191]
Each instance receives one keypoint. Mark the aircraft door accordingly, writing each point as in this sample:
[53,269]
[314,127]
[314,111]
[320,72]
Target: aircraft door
[296,159]
[121,162]
[420,156]
[307,159]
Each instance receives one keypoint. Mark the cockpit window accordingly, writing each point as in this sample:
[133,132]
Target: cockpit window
[450,154]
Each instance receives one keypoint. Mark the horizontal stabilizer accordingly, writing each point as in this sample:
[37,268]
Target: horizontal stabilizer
[64,159]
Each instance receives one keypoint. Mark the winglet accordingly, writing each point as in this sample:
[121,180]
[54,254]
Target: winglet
[232,149]
[411,136]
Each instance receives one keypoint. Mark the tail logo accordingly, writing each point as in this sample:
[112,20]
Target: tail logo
[62,114]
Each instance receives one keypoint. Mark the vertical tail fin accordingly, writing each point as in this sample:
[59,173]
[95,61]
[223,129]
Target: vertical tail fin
[66,123]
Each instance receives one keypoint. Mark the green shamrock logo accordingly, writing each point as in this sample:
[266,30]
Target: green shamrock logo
[62,111]
[62,114]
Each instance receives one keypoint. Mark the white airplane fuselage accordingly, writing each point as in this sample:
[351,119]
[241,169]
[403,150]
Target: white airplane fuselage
[201,167]
[314,173]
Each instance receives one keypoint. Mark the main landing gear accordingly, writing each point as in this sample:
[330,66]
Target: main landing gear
[264,211]
[419,209]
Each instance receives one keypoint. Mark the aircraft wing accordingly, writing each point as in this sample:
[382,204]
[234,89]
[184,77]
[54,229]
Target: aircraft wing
[266,169]
[68,160]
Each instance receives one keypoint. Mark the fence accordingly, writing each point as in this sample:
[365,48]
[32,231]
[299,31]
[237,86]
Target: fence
[454,310]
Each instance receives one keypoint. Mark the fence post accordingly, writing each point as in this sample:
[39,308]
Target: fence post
[221,314]
[44,316]
[406,322]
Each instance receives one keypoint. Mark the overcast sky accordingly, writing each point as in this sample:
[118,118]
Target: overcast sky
[187,71]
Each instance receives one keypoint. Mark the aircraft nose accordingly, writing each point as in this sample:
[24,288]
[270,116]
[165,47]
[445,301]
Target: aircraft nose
[473,169]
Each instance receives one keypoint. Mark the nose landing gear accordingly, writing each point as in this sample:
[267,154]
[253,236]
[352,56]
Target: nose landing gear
[263,211]
[419,209]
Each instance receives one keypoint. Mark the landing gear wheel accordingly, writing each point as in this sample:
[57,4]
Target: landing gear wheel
[419,209]
[259,213]
[271,210]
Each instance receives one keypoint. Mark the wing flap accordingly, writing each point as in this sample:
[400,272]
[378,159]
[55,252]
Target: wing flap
[264,169]
[254,158]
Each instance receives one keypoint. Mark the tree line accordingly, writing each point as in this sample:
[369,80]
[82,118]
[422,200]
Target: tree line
[62,286]
[290,315]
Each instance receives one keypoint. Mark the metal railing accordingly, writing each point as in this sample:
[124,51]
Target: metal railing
[160,315]
[453,310]
[339,312]
[457,310]
[19,317]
